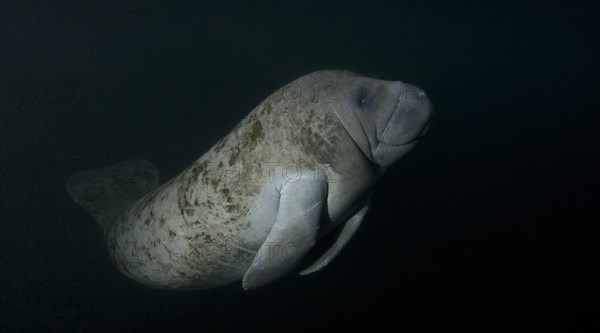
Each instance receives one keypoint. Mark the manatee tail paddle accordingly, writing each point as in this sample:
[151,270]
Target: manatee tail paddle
[105,192]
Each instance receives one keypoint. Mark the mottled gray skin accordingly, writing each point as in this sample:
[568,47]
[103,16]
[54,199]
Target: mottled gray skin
[205,227]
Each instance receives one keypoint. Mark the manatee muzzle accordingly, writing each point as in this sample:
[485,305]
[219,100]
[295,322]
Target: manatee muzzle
[410,121]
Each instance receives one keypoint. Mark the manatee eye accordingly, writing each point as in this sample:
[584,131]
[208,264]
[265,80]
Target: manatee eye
[364,99]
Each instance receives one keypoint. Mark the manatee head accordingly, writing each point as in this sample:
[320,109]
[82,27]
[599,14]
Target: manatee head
[386,119]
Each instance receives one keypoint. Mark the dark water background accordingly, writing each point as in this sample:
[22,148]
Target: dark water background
[492,217]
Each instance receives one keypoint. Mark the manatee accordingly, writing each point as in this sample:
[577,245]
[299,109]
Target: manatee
[299,166]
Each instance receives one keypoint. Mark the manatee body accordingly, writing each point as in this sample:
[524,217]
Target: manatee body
[297,167]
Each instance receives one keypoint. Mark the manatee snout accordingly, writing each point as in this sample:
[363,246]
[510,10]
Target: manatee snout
[409,122]
[411,118]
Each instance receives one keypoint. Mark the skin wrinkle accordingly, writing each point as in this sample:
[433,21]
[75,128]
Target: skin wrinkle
[386,130]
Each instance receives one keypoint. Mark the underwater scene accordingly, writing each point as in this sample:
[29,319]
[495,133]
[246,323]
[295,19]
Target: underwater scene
[342,166]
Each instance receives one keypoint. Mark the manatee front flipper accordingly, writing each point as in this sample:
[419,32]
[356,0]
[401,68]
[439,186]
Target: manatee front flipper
[345,235]
[105,192]
[293,234]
